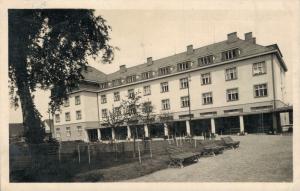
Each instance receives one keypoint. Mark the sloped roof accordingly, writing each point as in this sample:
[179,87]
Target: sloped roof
[94,75]
[247,48]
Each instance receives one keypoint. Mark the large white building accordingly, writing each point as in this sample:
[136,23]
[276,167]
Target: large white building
[232,86]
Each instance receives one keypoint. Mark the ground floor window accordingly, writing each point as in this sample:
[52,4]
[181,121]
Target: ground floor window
[121,133]
[156,130]
[93,135]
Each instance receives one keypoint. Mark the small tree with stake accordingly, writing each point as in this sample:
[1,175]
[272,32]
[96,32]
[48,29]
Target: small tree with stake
[148,115]
[114,118]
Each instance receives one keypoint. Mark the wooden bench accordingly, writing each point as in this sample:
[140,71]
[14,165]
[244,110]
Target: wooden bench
[178,156]
[230,143]
[212,149]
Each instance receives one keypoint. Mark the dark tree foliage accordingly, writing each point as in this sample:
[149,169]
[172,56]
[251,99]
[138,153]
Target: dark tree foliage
[48,49]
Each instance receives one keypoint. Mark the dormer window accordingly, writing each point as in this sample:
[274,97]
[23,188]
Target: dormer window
[206,60]
[116,82]
[164,70]
[230,54]
[184,66]
[147,75]
[130,79]
[103,85]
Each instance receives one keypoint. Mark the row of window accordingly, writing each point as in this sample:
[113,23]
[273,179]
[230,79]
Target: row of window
[77,101]
[68,116]
[68,131]
[260,90]
[230,74]
[183,66]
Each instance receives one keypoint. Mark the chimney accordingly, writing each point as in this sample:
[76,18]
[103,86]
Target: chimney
[149,61]
[189,49]
[231,37]
[123,68]
[249,38]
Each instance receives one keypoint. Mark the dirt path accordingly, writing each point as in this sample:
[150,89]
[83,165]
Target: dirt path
[260,158]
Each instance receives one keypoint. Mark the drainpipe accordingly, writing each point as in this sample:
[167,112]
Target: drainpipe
[98,110]
[274,118]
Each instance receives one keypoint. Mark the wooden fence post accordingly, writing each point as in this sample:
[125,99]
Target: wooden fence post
[78,149]
[89,154]
[150,149]
[195,143]
[59,148]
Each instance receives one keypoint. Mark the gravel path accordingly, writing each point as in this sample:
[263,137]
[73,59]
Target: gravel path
[260,158]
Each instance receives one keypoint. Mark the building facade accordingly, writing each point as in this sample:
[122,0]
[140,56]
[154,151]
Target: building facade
[227,87]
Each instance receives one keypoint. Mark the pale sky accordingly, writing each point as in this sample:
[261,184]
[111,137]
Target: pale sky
[159,33]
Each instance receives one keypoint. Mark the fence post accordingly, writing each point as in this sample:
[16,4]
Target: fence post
[195,143]
[78,149]
[150,149]
[89,154]
[59,148]
[176,141]
[116,150]
[140,160]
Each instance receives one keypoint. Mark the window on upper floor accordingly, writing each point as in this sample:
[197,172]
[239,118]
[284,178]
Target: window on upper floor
[103,85]
[104,113]
[67,102]
[147,107]
[230,54]
[232,94]
[259,68]
[147,90]
[131,94]
[184,83]
[57,132]
[67,116]
[116,96]
[79,130]
[68,131]
[207,98]
[103,99]
[77,100]
[116,82]
[147,75]
[231,74]
[57,118]
[164,87]
[184,66]
[206,60]
[78,115]
[260,90]
[165,104]
[185,102]
[164,70]
[205,79]
[130,79]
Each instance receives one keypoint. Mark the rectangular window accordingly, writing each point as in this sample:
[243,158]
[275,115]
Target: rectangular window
[116,96]
[147,90]
[103,85]
[68,131]
[67,116]
[184,83]
[230,74]
[164,87]
[184,66]
[207,98]
[57,118]
[103,99]
[67,102]
[259,68]
[165,104]
[131,94]
[117,111]
[206,60]
[132,109]
[78,115]
[205,79]
[232,94]
[104,113]
[130,79]
[79,130]
[185,102]
[164,70]
[57,132]
[261,90]
[147,75]
[116,82]
[77,100]
[147,107]
[230,54]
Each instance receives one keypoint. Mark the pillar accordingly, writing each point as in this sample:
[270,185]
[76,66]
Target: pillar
[188,127]
[275,122]
[146,130]
[113,134]
[242,127]
[99,134]
[212,125]
[166,130]
[128,132]
[86,135]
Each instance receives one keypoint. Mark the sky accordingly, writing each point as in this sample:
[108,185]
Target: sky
[159,33]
